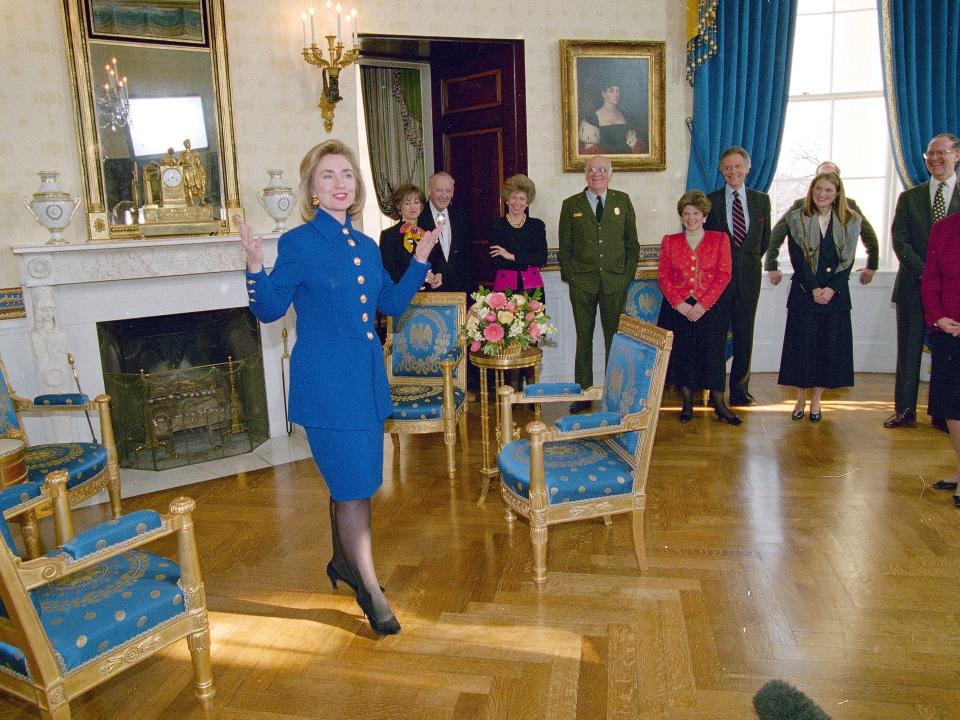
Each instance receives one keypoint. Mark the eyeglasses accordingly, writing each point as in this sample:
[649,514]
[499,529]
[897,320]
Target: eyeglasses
[598,171]
[937,153]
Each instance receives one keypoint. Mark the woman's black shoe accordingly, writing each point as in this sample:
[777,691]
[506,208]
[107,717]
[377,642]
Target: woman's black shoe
[686,415]
[726,415]
[797,415]
[336,575]
[390,626]
[816,417]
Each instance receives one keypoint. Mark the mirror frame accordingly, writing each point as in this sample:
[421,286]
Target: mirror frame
[85,115]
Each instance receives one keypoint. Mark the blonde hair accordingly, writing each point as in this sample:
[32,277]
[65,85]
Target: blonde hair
[519,183]
[839,202]
[308,167]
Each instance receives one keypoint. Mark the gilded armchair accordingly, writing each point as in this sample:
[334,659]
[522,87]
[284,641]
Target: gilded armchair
[424,355]
[592,465]
[96,606]
[91,466]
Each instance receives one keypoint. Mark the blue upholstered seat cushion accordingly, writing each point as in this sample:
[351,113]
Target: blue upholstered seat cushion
[573,470]
[81,460]
[420,402]
[587,421]
[88,613]
[551,389]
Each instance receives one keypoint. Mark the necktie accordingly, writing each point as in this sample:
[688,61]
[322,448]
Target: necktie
[599,208]
[739,223]
[939,206]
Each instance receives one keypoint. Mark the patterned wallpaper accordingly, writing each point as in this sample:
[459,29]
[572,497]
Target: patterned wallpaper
[275,96]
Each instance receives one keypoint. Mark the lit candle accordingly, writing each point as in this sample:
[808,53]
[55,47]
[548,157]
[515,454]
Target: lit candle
[356,31]
[313,28]
[339,13]
[303,22]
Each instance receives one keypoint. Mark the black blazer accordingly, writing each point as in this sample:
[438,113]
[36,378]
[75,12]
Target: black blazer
[395,257]
[746,258]
[457,270]
[910,231]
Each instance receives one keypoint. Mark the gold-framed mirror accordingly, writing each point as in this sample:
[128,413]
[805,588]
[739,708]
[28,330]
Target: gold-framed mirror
[154,119]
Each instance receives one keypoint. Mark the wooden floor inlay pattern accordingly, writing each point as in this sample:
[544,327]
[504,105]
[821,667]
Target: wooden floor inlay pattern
[817,554]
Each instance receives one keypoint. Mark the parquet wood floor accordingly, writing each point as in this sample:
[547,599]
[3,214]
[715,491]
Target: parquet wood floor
[813,553]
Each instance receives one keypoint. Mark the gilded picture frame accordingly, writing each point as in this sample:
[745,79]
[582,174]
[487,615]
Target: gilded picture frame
[612,95]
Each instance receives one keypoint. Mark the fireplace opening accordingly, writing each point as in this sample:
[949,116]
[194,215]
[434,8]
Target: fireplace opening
[184,388]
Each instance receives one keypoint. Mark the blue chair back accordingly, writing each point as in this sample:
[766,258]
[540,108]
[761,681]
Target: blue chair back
[643,299]
[9,420]
[628,383]
[422,336]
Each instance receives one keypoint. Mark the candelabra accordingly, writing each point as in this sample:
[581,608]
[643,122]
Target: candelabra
[114,104]
[337,57]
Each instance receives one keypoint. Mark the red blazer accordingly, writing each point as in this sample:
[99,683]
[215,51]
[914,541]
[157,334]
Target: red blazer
[704,274]
[940,282]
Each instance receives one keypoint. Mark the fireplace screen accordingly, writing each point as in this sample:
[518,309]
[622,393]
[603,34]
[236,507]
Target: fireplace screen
[185,388]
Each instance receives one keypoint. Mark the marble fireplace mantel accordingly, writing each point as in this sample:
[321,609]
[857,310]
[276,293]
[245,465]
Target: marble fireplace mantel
[69,288]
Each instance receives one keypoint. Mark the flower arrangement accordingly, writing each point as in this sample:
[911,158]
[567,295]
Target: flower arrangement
[499,322]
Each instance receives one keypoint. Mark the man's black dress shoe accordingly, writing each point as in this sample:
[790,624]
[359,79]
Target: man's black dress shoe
[686,414]
[744,399]
[956,501]
[580,406]
[940,424]
[944,485]
[901,419]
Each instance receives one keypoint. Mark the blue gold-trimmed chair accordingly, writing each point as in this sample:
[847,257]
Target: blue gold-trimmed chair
[91,466]
[591,465]
[424,354]
[97,605]
[644,297]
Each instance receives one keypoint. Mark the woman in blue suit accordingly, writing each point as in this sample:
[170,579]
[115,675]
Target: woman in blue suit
[335,279]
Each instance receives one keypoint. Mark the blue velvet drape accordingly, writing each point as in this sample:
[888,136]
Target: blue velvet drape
[920,44]
[740,94]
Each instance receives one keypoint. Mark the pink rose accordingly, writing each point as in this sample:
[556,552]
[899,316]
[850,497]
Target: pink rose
[511,306]
[534,305]
[530,316]
[493,333]
[491,317]
[475,346]
[497,300]
[534,331]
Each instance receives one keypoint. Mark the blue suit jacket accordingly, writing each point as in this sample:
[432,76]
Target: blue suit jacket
[335,279]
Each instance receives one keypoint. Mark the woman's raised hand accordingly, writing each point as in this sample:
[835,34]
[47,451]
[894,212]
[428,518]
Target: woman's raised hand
[252,245]
[425,244]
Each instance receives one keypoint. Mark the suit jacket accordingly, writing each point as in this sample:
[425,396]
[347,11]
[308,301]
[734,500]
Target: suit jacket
[592,254]
[703,274]
[940,284]
[394,255]
[457,270]
[337,375]
[910,233]
[746,258]
[779,233]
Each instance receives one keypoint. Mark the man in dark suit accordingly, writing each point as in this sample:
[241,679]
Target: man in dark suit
[917,210]
[744,215]
[867,235]
[598,256]
[452,257]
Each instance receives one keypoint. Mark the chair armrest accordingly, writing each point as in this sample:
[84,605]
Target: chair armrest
[21,498]
[552,389]
[35,573]
[629,423]
[61,400]
[588,421]
[104,537]
[521,398]
[455,354]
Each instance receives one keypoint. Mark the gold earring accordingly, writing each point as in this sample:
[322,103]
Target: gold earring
[314,200]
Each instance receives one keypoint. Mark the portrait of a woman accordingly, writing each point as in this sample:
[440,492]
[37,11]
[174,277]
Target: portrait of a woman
[613,118]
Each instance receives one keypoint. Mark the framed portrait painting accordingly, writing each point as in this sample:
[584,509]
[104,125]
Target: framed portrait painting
[612,96]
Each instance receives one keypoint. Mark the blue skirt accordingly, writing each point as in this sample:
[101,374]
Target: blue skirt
[351,461]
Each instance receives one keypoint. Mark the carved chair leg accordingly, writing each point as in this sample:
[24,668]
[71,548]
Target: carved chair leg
[538,539]
[109,442]
[30,530]
[463,428]
[199,644]
[607,520]
[450,441]
[61,709]
[395,438]
[639,542]
[509,516]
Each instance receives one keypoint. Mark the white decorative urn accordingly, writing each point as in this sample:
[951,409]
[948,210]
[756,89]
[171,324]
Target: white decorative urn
[277,199]
[52,207]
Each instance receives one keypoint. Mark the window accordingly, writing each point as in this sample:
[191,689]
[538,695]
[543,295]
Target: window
[837,112]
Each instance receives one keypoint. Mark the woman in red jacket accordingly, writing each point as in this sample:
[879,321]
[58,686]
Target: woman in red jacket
[940,291]
[694,271]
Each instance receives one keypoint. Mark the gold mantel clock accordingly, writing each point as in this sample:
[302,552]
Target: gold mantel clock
[141,89]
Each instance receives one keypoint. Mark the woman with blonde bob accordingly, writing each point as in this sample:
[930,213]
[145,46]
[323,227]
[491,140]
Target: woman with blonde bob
[518,242]
[818,339]
[333,276]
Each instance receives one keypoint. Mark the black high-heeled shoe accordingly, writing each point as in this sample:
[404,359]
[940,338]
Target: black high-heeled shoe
[797,415]
[726,415]
[389,626]
[816,417]
[336,575]
[686,414]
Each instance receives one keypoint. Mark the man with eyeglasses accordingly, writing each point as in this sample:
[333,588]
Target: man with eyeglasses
[744,215]
[918,209]
[598,255]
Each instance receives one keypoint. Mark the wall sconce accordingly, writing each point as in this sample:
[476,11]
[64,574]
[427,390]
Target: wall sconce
[338,57]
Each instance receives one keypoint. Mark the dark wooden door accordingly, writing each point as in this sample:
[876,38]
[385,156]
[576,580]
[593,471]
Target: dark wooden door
[479,127]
